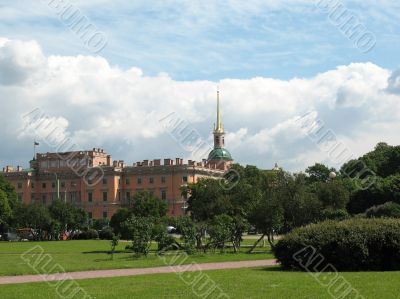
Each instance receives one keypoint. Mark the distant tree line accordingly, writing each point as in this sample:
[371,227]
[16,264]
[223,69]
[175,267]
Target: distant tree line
[268,201]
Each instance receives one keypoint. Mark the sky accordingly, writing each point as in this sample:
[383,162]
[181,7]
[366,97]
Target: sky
[274,62]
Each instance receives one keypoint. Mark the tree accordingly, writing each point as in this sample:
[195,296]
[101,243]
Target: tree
[318,173]
[189,233]
[207,199]
[220,230]
[141,232]
[332,194]
[118,219]
[267,216]
[114,243]
[8,204]
[5,209]
[146,205]
[300,205]
[37,217]
[69,217]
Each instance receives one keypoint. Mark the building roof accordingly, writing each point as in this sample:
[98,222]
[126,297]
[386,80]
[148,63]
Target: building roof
[220,154]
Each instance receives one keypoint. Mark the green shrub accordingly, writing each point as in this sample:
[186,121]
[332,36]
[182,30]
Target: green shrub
[349,245]
[331,214]
[389,210]
[90,234]
[106,234]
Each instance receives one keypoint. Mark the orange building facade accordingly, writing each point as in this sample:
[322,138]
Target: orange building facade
[94,182]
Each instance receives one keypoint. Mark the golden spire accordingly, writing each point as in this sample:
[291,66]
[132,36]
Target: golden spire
[218,127]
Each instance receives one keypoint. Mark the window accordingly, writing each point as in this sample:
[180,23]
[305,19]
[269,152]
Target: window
[185,179]
[128,195]
[19,185]
[53,185]
[90,215]
[90,196]
[163,179]
[73,184]
[105,196]
[163,194]
[32,185]
[151,180]
[127,181]
[139,181]
[105,215]
[104,181]
[44,185]
[62,184]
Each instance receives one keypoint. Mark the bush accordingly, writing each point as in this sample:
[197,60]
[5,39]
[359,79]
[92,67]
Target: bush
[90,234]
[331,214]
[140,229]
[389,210]
[106,234]
[349,245]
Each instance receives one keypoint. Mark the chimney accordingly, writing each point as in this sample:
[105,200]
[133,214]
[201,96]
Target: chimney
[167,161]
[19,168]
[138,164]
[151,163]
[177,161]
[145,162]
[157,162]
[115,163]
[109,160]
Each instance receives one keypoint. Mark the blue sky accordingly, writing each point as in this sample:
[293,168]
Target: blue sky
[213,40]
[273,60]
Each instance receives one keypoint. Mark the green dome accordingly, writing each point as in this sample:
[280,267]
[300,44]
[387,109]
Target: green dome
[220,154]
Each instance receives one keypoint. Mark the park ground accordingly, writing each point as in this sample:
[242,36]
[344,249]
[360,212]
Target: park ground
[264,282]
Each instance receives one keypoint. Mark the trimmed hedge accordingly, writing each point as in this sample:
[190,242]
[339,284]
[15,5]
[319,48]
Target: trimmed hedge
[389,210]
[349,245]
[90,234]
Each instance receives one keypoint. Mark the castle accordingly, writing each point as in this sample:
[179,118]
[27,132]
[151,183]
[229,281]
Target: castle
[94,182]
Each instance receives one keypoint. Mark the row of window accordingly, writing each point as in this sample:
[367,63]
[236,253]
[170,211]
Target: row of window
[105,215]
[44,185]
[163,195]
[105,182]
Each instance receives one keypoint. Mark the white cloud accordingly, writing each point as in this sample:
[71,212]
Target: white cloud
[100,105]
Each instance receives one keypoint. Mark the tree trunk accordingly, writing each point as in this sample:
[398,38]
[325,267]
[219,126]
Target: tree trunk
[256,243]
[270,237]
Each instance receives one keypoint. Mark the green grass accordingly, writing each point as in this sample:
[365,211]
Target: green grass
[240,283]
[93,255]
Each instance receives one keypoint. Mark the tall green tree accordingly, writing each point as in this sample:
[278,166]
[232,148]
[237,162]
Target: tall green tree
[147,205]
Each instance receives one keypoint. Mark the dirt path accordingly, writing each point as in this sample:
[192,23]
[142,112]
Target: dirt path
[133,272]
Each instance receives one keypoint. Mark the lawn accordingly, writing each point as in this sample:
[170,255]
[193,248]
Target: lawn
[239,283]
[93,255]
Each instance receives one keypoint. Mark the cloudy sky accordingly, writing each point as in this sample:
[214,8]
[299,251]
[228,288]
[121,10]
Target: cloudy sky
[273,60]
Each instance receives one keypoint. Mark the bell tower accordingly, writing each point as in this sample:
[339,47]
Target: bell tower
[219,157]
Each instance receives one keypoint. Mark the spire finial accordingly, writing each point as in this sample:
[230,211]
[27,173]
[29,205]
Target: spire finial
[218,126]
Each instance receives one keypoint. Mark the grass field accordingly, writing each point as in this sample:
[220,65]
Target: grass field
[241,283]
[93,255]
